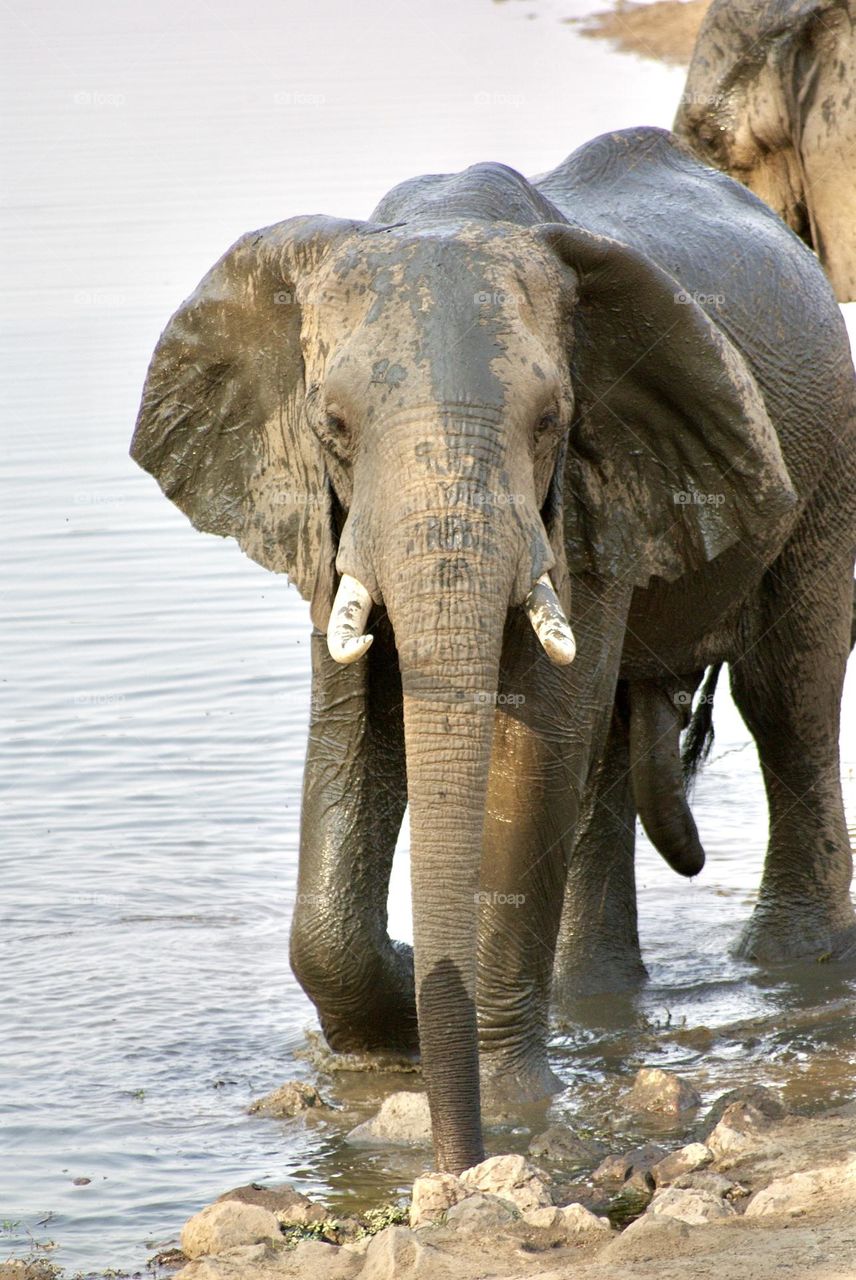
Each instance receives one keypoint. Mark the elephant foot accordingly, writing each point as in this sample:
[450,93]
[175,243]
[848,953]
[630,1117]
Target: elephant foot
[608,972]
[779,935]
[508,1083]
[367,1011]
[394,1039]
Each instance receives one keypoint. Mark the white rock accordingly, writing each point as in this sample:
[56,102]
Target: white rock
[647,1237]
[737,1132]
[570,1222]
[681,1162]
[317,1259]
[256,1260]
[657,1090]
[691,1207]
[801,1193]
[510,1177]
[227,1225]
[394,1254]
[480,1214]
[433,1195]
[403,1120]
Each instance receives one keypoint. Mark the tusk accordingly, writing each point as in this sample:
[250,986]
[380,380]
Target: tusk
[551,626]
[348,618]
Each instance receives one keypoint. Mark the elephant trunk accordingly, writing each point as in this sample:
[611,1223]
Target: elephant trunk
[658,786]
[449,645]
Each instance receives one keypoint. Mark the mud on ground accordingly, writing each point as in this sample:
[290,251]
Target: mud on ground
[665,30]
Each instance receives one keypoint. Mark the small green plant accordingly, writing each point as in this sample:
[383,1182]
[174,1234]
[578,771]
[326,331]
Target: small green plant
[385,1215]
[294,1233]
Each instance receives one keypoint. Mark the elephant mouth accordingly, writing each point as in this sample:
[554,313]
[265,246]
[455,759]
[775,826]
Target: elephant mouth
[347,640]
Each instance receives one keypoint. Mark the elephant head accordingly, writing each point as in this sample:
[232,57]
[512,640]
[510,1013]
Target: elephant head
[769,99]
[451,415]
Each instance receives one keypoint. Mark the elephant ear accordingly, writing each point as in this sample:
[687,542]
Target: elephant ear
[222,422]
[672,457]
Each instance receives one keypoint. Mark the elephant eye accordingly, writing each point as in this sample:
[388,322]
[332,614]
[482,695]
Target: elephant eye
[331,429]
[547,422]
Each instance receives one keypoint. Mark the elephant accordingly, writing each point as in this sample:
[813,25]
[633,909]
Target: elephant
[769,98]
[524,446]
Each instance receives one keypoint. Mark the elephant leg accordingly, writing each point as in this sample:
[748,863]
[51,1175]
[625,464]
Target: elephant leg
[788,686]
[598,948]
[354,797]
[536,785]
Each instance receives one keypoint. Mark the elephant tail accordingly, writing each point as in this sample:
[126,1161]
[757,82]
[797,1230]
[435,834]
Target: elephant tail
[698,739]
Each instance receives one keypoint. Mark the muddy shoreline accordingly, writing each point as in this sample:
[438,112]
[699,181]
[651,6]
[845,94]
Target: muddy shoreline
[751,1191]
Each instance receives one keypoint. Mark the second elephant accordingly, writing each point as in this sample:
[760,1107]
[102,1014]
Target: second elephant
[770,98]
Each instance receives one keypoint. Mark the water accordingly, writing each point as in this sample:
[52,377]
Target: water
[156,682]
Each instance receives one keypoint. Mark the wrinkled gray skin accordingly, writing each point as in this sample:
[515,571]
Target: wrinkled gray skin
[629,373]
[770,98]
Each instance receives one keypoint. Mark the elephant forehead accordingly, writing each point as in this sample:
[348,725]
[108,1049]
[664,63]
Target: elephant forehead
[464,269]
[449,309]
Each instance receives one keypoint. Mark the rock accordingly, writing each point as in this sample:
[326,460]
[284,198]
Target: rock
[291,1207]
[433,1195]
[568,1224]
[763,1100]
[259,1261]
[27,1269]
[663,1091]
[633,1198]
[707,1180]
[395,1254]
[510,1177]
[800,1193]
[227,1225]
[323,1261]
[560,1145]
[685,1160]
[358,1246]
[480,1214]
[288,1100]
[615,1170]
[649,1237]
[737,1132]
[403,1120]
[691,1207]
